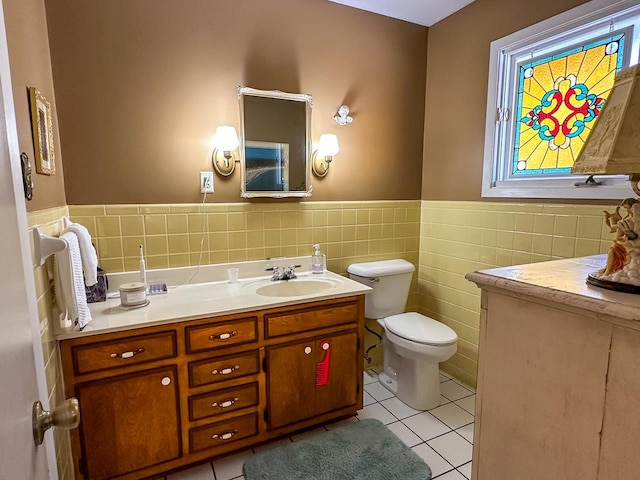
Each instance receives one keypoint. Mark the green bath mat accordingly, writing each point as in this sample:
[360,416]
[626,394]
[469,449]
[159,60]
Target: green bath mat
[363,450]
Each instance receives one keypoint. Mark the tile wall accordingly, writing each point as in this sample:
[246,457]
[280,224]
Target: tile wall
[459,237]
[175,235]
[51,222]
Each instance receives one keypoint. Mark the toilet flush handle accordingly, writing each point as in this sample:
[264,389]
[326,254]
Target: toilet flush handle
[374,279]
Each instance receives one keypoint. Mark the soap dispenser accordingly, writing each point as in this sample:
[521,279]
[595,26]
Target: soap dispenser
[317,260]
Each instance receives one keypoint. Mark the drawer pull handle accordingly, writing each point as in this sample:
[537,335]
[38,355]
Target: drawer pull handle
[223,336]
[225,371]
[224,436]
[128,354]
[225,404]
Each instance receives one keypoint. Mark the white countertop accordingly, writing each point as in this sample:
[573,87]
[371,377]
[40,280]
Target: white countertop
[200,300]
[562,281]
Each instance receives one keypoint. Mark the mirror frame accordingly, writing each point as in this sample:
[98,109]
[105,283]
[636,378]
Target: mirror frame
[278,95]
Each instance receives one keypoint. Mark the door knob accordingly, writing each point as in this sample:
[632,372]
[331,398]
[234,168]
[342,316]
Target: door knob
[66,415]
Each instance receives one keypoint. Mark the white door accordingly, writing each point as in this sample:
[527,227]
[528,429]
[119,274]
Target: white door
[20,347]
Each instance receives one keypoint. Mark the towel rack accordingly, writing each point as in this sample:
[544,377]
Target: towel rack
[45,245]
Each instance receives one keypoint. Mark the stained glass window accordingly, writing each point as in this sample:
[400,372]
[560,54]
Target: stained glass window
[548,84]
[559,98]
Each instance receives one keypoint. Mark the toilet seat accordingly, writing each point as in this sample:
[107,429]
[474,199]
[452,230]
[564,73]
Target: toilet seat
[418,328]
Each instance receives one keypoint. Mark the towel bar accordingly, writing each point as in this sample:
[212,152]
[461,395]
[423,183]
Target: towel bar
[45,245]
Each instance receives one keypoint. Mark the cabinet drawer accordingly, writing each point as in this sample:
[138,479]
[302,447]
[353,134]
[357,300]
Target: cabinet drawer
[121,353]
[221,433]
[223,401]
[223,368]
[284,323]
[222,334]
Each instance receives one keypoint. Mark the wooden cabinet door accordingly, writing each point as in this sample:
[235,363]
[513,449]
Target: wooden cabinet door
[340,389]
[291,374]
[291,378]
[129,422]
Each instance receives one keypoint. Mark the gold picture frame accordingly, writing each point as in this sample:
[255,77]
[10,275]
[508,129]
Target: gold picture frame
[42,128]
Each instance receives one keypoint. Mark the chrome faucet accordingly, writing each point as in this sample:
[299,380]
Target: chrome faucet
[288,273]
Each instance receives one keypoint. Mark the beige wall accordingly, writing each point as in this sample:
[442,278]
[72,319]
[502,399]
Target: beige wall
[456,98]
[142,84]
[30,64]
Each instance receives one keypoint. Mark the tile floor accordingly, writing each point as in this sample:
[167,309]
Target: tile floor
[443,436]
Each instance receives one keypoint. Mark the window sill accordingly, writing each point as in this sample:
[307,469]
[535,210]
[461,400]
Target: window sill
[611,189]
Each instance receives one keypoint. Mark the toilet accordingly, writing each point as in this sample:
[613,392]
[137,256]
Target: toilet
[413,344]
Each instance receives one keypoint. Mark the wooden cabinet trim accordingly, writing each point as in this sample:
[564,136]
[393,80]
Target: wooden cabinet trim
[221,334]
[220,434]
[220,369]
[309,319]
[172,446]
[228,400]
[123,352]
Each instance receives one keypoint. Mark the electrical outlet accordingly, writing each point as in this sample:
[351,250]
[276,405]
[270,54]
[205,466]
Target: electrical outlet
[206,182]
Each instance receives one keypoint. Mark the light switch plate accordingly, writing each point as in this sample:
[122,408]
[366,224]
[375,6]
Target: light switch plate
[206,182]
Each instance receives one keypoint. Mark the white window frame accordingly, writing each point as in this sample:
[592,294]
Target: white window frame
[546,35]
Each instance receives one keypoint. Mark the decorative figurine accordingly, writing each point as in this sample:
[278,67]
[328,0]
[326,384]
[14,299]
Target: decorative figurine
[622,271]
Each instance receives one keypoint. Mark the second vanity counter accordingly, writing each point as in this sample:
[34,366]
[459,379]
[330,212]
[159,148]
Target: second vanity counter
[210,294]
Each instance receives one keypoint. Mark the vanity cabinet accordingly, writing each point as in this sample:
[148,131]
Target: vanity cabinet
[120,423]
[558,380]
[297,390]
[156,399]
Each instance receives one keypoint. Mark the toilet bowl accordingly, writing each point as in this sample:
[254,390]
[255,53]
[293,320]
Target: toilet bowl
[413,344]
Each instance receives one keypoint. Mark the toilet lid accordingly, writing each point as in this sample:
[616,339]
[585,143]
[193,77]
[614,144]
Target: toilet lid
[418,328]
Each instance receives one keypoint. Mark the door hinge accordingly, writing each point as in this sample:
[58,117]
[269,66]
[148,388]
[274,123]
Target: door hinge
[265,415]
[357,388]
[264,364]
[358,344]
[82,467]
[502,114]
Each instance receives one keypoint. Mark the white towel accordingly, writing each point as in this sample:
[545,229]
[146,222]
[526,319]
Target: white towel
[70,282]
[87,253]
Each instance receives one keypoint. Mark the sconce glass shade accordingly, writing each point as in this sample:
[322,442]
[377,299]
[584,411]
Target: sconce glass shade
[328,145]
[613,147]
[225,141]
[322,157]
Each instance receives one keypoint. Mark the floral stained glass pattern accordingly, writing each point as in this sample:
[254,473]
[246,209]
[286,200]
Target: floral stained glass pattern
[559,99]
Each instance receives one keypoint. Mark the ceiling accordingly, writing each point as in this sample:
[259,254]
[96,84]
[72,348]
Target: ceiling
[422,12]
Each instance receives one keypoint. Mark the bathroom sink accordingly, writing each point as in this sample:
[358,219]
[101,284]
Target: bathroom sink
[295,288]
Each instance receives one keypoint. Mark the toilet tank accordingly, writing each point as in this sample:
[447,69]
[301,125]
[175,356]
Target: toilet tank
[390,280]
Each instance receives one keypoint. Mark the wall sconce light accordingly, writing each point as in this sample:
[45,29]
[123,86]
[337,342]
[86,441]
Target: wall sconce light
[323,155]
[613,148]
[225,141]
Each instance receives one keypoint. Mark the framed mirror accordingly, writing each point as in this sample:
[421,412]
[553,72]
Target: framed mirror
[275,143]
